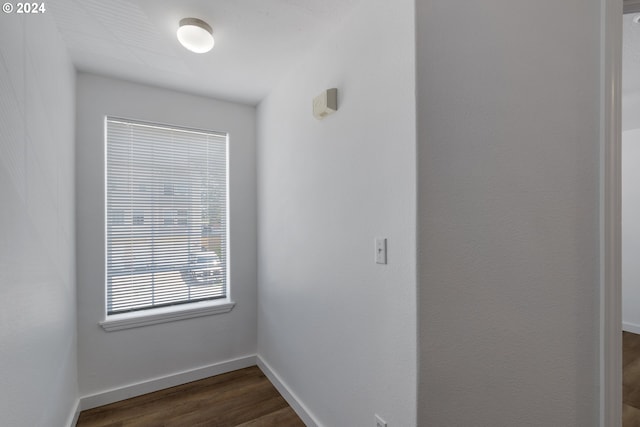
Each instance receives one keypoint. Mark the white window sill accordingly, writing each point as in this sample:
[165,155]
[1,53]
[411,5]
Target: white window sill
[154,316]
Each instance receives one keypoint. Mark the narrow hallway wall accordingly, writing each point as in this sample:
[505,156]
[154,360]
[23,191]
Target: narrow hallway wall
[337,328]
[508,216]
[38,376]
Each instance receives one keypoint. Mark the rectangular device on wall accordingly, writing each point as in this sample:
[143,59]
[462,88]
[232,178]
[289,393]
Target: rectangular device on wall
[326,103]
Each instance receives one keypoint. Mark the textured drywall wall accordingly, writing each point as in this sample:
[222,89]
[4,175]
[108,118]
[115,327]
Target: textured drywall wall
[111,360]
[508,152]
[630,110]
[337,328]
[631,230]
[38,379]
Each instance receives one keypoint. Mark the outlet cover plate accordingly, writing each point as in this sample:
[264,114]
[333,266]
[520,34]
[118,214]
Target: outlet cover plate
[381,250]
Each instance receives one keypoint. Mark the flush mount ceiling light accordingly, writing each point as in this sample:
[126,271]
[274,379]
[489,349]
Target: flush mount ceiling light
[195,35]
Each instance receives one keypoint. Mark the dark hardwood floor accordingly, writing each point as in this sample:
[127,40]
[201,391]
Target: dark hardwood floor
[243,398]
[630,380]
[246,398]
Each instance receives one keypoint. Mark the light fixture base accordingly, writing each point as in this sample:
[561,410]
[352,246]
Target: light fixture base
[195,35]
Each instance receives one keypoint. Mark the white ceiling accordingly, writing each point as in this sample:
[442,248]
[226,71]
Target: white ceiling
[630,54]
[257,41]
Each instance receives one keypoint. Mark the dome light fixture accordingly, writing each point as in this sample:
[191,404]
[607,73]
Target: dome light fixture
[196,35]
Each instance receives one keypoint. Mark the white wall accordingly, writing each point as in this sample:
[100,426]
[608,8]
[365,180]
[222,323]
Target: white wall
[630,110]
[631,230]
[38,379]
[337,328]
[111,360]
[630,209]
[508,146]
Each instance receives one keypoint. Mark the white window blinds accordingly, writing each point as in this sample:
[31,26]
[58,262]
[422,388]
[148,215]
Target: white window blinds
[166,222]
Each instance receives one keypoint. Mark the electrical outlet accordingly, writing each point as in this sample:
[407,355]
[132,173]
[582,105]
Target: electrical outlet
[380,422]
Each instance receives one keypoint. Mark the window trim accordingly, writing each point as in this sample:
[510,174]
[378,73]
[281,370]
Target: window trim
[171,313]
[154,316]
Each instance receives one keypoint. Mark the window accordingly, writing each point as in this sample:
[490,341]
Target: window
[166,228]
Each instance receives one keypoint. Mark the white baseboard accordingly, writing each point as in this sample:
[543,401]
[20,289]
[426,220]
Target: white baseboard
[144,387]
[293,401]
[631,327]
[73,417]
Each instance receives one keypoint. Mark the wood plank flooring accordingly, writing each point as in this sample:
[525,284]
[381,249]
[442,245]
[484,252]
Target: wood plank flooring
[243,398]
[630,380]
[246,398]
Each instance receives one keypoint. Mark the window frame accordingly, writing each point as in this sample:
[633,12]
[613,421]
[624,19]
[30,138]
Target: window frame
[181,311]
